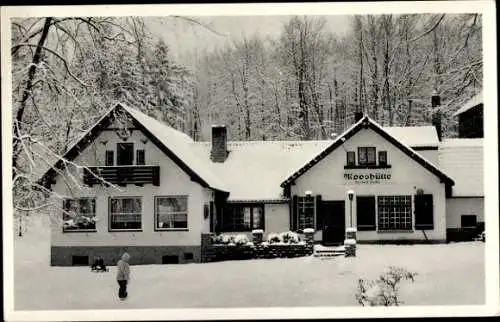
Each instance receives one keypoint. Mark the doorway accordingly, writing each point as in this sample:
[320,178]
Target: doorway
[333,214]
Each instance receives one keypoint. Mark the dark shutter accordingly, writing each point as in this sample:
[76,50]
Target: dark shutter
[365,213]
[293,213]
[319,213]
[382,158]
[110,157]
[213,219]
[140,158]
[351,158]
[424,212]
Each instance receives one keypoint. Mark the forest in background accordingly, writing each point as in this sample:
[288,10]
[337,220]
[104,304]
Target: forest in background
[304,84]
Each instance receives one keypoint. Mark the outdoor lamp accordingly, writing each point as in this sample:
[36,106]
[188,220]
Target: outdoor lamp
[350,193]
[308,194]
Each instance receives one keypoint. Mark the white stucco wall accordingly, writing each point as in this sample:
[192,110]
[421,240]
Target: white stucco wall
[431,156]
[327,178]
[456,207]
[277,218]
[173,181]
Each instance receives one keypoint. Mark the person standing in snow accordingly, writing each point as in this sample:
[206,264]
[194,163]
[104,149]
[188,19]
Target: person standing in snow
[123,275]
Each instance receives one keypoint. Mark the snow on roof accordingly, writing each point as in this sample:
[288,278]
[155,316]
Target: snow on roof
[473,102]
[414,136]
[180,144]
[255,169]
[462,159]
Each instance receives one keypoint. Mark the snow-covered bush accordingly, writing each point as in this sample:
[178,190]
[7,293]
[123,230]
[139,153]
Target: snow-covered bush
[383,291]
[257,231]
[241,239]
[273,238]
[308,231]
[290,237]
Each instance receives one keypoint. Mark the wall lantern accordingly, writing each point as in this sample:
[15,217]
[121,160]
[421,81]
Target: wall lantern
[308,195]
[350,194]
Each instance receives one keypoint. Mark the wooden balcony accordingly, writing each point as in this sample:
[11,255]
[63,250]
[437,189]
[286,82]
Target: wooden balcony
[122,175]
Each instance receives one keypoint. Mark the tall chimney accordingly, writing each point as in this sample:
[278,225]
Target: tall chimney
[436,114]
[219,143]
[358,116]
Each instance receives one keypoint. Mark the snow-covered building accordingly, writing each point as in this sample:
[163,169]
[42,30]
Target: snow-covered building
[154,191]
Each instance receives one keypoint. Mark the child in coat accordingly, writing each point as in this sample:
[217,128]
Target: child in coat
[123,275]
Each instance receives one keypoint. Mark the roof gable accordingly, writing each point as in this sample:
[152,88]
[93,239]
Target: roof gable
[173,143]
[366,122]
[473,102]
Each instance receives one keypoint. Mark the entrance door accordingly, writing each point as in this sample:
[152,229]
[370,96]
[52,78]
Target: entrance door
[333,214]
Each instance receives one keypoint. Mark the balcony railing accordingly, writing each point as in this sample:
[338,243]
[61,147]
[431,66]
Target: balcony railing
[122,175]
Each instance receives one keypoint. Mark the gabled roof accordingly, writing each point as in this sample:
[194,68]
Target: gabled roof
[173,143]
[254,170]
[463,160]
[473,102]
[366,122]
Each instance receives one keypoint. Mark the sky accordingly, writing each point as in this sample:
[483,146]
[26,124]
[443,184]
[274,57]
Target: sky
[185,39]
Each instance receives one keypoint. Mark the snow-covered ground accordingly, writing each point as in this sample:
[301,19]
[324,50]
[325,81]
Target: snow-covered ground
[447,274]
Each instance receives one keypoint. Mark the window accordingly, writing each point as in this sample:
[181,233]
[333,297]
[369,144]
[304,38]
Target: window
[468,221]
[366,156]
[110,158]
[125,213]
[394,213]
[125,153]
[382,158]
[171,212]
[305,211]
[79,214]
[237,217]
[351,158]
[140,157]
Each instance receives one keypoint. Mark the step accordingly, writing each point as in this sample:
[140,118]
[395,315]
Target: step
[328,254]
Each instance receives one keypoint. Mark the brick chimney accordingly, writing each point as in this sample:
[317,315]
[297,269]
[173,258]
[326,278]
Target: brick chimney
[358,116]
[219,143]
[436,114]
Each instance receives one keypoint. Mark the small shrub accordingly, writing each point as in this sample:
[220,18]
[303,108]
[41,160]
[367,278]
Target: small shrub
[273,238]
[290,237]
[240,239]
[383,291]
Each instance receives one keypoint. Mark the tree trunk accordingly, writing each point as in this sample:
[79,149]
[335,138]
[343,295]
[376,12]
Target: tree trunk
[27,93]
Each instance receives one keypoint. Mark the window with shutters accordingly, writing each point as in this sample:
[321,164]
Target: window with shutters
[366,213]
[305,212]
[394,213]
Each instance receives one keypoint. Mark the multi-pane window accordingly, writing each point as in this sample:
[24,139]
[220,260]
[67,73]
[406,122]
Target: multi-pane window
[351,158]
[125,213]
[305,212]
[171,212]
[394,213]
[367,156]
[140,157]
[242,217]
[79,214]
[382,158]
